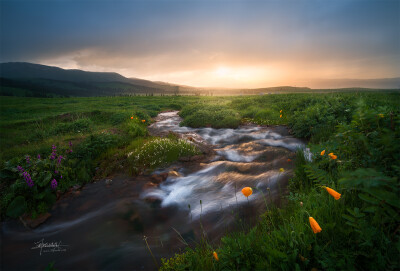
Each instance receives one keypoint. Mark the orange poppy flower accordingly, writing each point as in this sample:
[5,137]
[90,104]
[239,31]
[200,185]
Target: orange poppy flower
[280,116]
[143,121]
[332,156]
[289,160]
[247,191]
[323,152]
[333,193]
[215,255]
[280,111]
[131,118]
[314,225]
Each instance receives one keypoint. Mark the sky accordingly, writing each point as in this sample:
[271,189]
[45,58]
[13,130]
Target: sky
[218,43]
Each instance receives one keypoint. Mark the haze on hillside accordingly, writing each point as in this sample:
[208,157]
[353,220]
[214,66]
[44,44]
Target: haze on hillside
[202,43]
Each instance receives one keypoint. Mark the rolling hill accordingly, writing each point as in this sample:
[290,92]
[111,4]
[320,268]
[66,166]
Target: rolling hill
[28,79]
[41,80]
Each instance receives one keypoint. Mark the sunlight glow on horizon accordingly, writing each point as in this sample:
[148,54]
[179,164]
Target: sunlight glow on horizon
[224,44]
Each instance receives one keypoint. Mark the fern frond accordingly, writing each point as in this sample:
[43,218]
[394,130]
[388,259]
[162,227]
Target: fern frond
[316,174]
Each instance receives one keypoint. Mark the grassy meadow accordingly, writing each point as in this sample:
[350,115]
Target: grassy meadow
[51,144]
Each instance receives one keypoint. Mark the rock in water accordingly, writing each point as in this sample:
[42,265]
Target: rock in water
[173,173]
[34,223]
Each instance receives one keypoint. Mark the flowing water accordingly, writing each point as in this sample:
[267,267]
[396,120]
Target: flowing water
[113,227]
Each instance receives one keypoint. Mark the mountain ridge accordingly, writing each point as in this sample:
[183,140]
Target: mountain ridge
[38,78]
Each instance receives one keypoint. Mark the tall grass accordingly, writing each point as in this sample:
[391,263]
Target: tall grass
[360,231]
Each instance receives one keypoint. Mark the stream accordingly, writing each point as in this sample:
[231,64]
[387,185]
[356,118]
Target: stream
[113,226]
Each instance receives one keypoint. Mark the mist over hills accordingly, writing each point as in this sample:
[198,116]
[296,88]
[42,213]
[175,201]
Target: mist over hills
[28,79]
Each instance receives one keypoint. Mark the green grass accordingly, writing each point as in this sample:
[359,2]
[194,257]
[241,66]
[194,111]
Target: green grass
[359,231]
[100,130]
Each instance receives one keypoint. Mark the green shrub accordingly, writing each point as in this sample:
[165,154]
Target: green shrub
[158,152]
[78,126]
[118,118]
[95,144]
[174,106]
[142,116]
[34,182]
[135,129]
[209,115]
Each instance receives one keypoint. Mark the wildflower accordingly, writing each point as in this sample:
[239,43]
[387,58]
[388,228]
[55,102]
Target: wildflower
[381,115]
[289,160]
[70,144]
[28,179]
[143,121]
[332,156]
[59,160]
[323,152]
[301,203]
[28,159]
[131,118]
[280,116]
[280,111]
[215,255]
[333,193]
[53,184]
[38,156]
[20,169]
[247,191]
[314,225]
[53,152]
[281,169]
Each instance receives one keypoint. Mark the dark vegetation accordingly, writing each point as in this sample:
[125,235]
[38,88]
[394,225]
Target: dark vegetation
[360,231]
[33,80]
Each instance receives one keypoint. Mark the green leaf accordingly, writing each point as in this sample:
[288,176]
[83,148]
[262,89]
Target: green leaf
[366,178]
[44,179]
[368,199]
[354,225]
[40,195]
[389,197]
[349,218]
[17,207]
[47,178]
[370,209]
[392,213]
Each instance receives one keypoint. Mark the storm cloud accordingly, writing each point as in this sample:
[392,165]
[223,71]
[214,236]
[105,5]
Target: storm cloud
[208,43]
